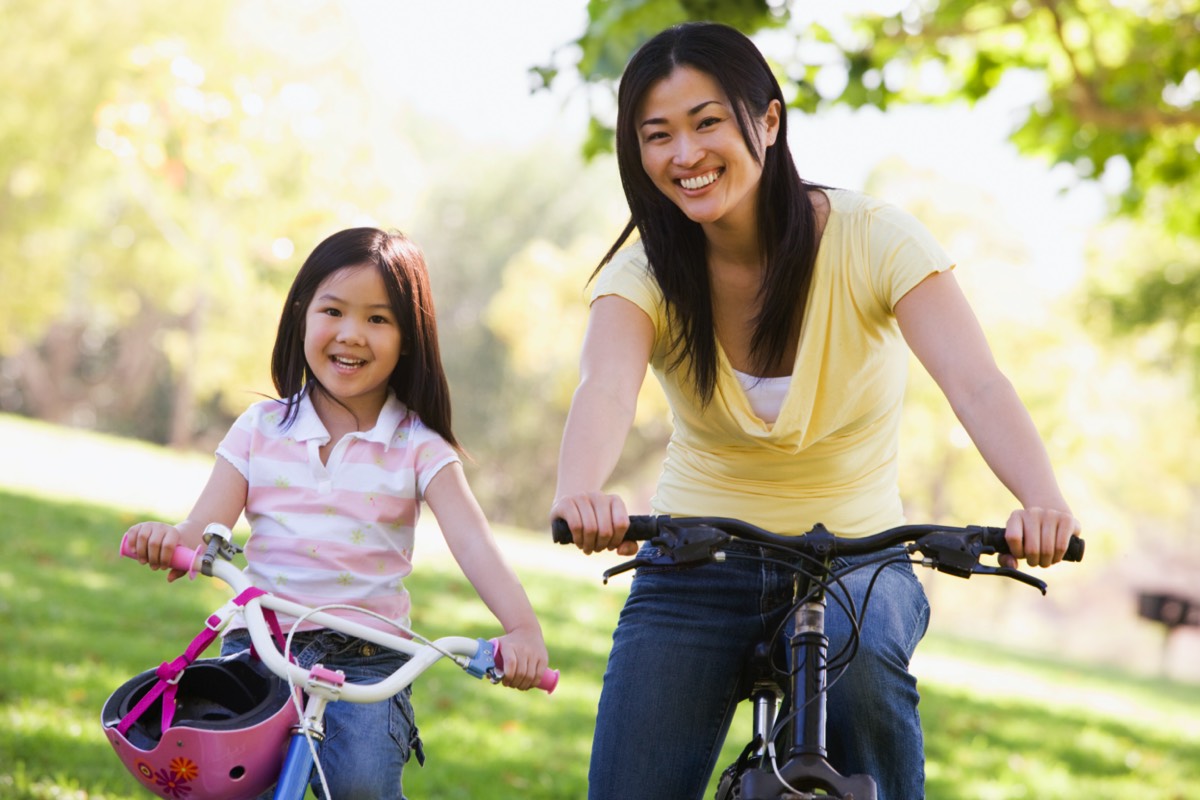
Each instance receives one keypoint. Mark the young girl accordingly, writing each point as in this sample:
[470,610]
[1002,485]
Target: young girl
[331,477]
[775,314]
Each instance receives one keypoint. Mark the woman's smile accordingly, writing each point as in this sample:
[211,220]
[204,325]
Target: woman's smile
[700,181]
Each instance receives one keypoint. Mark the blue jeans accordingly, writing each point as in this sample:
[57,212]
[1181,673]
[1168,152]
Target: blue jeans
[674,678]
[366,745]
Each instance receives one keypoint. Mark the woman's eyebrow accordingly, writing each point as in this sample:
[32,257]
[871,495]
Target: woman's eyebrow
[691,113]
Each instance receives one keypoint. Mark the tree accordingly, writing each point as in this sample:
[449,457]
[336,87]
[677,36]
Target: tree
[1119,86]
[162,180]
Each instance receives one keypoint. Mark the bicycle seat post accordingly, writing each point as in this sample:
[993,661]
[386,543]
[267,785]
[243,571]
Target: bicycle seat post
[809,653]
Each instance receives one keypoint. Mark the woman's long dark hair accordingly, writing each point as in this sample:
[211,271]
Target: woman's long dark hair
[675,245]
[418,379]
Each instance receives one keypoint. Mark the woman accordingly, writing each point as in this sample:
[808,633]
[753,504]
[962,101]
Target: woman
[775,314]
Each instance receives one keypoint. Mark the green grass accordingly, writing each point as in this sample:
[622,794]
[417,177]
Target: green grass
[77,621]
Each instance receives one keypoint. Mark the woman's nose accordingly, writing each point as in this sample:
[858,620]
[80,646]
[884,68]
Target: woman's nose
[688,152]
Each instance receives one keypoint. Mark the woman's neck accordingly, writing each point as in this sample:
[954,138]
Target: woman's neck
[734,247]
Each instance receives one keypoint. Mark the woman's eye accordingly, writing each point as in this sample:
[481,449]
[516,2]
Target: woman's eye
[708,122]
[655,135]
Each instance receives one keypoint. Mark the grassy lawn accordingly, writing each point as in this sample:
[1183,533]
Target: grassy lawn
[77,621]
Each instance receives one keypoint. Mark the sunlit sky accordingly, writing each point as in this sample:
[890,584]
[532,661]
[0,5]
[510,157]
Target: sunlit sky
[466,63]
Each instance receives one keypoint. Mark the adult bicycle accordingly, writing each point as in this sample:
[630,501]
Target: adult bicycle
[787,758]
[231,727]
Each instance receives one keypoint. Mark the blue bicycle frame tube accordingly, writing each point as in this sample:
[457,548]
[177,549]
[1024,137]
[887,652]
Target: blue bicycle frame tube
[297,769]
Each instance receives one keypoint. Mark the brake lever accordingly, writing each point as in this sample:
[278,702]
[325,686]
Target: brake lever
[959,556]
[1015,574]
[675,547]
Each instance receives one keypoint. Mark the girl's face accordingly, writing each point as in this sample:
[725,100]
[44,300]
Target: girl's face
[693,150]
[352,339]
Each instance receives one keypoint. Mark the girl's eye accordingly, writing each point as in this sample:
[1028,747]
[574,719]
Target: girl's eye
[332,312]
[378,319]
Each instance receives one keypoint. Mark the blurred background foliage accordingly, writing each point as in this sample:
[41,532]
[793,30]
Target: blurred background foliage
[164,169]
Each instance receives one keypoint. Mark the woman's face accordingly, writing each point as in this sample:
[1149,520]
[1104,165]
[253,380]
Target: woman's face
[693,150]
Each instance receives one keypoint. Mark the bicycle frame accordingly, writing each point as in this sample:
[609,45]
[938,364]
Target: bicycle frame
[478,657]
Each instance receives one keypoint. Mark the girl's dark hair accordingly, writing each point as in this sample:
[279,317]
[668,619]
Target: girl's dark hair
[418,380]
[675,245]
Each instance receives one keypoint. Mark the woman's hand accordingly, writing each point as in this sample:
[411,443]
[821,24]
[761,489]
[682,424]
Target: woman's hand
[525,658]
[597,521]
[1038,535]
[154,543]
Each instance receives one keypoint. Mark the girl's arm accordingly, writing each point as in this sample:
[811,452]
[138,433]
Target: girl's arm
[940,327]
[222,500]
[474,548]
[616,351]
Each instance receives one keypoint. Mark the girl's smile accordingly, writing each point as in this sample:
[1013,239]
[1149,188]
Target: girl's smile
[352,340]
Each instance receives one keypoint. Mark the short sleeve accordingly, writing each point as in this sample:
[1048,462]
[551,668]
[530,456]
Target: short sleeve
[628,275]
[235,447]
[431,453]
[902,253]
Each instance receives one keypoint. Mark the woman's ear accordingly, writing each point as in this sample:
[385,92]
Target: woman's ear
[771,122]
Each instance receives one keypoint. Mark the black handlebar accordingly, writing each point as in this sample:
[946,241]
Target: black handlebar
[818,541]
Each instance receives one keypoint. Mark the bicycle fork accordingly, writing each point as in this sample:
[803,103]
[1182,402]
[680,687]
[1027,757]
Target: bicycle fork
[806,768]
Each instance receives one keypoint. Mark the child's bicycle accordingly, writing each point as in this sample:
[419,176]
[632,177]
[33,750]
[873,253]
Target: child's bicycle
[786,758]
[231,727]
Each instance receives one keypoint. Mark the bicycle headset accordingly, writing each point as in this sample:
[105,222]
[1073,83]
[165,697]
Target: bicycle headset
[225,740]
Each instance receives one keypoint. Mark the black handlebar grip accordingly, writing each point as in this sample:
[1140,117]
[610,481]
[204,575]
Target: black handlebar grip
[560,532]
[994,537]
[641,527]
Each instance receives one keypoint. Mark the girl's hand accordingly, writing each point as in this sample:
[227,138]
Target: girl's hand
[1038,535]
[525,658]
[154,542]
[597,521]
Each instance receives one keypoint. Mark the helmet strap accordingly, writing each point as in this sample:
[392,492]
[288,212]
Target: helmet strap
[170,672]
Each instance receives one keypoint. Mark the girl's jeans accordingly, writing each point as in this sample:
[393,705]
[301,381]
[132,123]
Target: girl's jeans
[366,744]
[675,669]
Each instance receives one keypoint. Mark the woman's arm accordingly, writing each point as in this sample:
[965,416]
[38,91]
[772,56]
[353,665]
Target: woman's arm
[616,351]
[940,327]
[222,500]
[473,546]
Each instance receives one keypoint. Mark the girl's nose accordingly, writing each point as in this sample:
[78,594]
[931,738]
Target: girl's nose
[350,332]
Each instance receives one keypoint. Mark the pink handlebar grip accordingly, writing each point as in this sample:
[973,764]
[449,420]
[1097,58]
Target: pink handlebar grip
[182,558]
[547,682]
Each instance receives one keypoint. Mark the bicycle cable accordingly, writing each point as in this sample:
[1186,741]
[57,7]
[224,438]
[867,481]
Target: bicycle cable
[287,654]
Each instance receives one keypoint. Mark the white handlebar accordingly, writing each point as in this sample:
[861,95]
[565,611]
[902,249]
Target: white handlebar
[421,656]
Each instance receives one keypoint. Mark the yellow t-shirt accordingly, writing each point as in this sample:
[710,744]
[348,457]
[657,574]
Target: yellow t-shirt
[831,456]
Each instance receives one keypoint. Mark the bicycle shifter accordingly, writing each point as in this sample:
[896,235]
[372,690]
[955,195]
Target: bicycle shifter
[676,547]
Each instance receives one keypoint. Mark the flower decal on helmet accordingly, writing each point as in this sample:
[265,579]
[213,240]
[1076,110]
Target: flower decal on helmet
[170,784]
[184,768]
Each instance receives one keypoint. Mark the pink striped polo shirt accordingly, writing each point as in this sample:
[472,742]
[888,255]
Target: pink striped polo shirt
[341,532]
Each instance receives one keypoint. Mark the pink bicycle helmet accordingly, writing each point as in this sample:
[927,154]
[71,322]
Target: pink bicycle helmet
[226,740]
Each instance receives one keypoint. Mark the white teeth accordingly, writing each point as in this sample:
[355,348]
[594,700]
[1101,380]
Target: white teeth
[699,181]
[349,362]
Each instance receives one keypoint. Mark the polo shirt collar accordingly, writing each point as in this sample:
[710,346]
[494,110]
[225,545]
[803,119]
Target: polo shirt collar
[308,425]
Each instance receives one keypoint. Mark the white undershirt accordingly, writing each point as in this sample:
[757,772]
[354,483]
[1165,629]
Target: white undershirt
[765,394]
